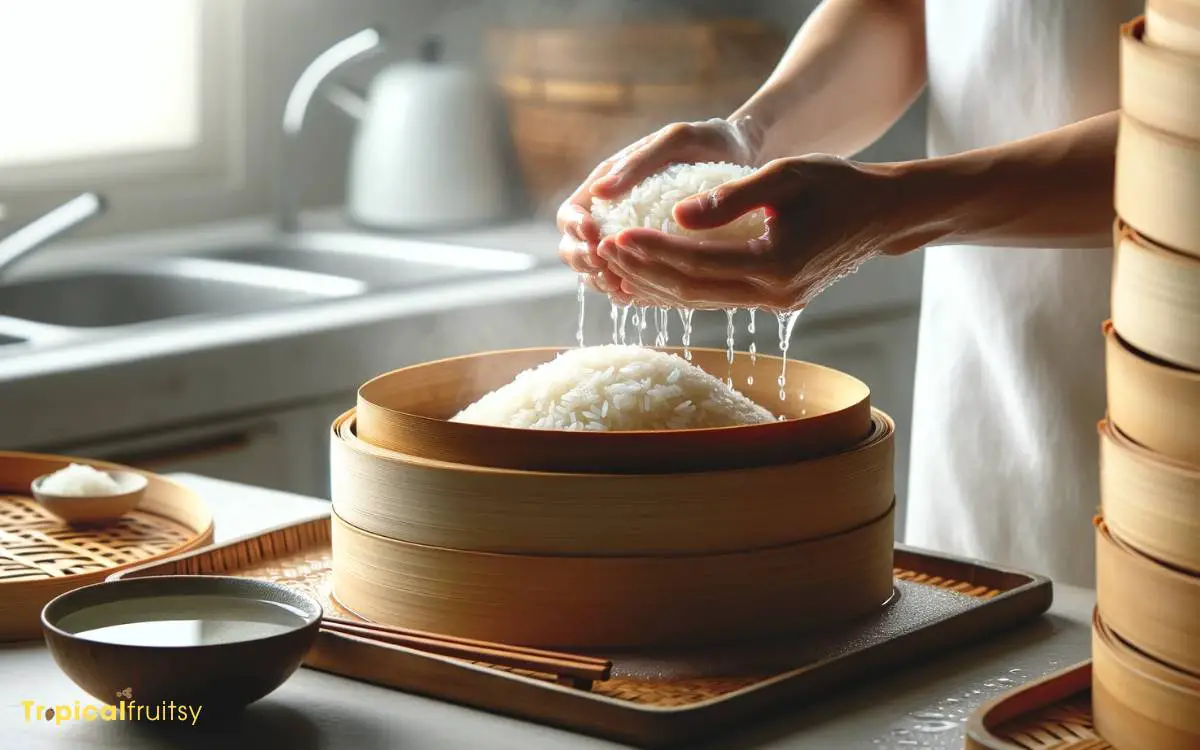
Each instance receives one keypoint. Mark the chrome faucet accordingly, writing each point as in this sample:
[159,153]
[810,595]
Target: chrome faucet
[49,226]
[348,50]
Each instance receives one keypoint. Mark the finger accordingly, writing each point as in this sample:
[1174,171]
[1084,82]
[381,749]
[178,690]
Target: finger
[674,143]
[644,276]
[765,188]
[577,255]
[720,258]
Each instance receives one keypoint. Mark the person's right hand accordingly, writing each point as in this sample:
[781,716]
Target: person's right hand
[737,141]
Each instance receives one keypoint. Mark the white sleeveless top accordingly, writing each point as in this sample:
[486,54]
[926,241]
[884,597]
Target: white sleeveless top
[1010,369]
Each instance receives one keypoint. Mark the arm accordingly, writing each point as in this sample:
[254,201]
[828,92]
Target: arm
[850,73]
[1054,189]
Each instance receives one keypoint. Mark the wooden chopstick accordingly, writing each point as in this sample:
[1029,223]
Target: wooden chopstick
[574,669]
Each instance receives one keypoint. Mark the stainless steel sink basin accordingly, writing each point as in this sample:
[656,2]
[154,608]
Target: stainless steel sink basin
[107,298]
[379,262]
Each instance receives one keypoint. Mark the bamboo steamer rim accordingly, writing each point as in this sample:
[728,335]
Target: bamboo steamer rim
[605,559]
[1175,24]
[615,602]
[622,451]
[1132,706]
[1153,402]
[519,512]
[1161,676]
[883,429]
[1153,632]
[1152,302]
[1159,86]
[1158,185]
[1142,454]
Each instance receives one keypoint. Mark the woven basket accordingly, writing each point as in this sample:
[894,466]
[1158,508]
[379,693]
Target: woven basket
[576,95]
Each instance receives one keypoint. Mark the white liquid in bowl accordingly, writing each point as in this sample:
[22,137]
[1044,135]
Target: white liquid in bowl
[200,620]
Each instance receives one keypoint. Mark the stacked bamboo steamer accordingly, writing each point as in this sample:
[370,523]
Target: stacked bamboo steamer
[1146,629]
[611,539]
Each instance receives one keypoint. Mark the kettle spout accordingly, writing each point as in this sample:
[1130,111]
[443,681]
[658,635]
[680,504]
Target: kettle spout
[350,100]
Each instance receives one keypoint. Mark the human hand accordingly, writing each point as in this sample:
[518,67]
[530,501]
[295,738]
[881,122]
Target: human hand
[711,140]
[825,217]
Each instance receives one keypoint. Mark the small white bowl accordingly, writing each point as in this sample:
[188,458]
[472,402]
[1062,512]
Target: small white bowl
[94,509]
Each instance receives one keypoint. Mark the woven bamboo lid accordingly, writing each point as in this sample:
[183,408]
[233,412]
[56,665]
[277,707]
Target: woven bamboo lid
[407,411]
[593,602]
[1150,501]
[460,506]
[1136,701]
[1154,608]
[1156,299]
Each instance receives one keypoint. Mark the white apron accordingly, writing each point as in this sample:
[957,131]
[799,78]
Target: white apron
[1010,368]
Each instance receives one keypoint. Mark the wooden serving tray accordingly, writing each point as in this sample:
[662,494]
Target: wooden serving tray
[653,699]
[1053,713]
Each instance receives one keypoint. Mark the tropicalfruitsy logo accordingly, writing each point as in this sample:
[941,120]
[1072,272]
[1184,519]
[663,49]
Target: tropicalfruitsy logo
[123,708]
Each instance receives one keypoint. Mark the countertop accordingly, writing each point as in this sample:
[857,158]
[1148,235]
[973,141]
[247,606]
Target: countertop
[921,707]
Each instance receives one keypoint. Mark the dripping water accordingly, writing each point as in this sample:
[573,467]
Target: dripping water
[581,296]
[753,346]
[729,336]
[614,315]
[624,322]
[787,322]
[639,322]
[662,325]
[686,316]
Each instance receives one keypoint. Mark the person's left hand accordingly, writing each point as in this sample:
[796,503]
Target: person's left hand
[825,217]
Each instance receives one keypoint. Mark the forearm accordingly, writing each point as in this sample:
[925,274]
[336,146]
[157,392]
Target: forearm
[850,73]
[1050,190]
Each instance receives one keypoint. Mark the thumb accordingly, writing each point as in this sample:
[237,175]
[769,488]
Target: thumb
[727,202]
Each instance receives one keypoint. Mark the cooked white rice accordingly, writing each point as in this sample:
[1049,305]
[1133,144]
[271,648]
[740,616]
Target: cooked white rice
[615,387]
[650,203]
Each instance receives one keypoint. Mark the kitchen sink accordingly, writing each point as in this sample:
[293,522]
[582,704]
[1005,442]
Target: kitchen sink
[108,298]
[379,262]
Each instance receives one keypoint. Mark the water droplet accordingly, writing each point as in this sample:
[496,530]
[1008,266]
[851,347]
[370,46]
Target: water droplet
[581,296]
[615,315]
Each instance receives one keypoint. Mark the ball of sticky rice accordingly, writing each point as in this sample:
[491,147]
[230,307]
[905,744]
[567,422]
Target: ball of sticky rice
[651,202]
[615,387]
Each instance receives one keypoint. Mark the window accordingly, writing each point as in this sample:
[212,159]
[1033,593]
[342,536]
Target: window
[104,94]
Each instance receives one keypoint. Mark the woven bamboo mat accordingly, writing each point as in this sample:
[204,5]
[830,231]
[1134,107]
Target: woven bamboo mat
[35,545]
[1063,726]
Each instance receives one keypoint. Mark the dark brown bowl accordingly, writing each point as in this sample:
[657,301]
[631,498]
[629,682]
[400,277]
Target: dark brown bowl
[407,411]
[215,678]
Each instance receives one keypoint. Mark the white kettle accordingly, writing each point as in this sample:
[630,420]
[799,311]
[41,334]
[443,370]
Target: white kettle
[428,152]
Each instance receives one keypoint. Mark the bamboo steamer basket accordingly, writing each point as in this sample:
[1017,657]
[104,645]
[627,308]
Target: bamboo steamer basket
[460,506]
[1149,501]
[1152,607]
[1156,300]
[408,411]
[606,602]
[1158,185]
[1159,87]
[575,95]
[1155,404]
[1174,25]
[1137,702]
